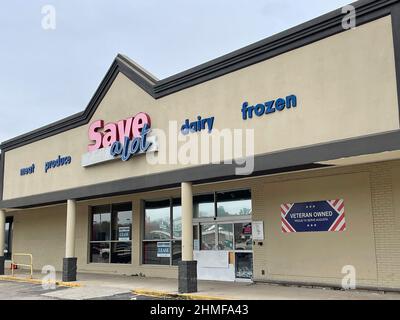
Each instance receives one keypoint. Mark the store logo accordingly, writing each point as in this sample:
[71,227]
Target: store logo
[122,139]
[131,147]
[105,135]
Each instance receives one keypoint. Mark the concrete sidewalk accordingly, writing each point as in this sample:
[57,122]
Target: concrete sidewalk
[97,285]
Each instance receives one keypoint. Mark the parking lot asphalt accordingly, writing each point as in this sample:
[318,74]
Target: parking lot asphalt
[26,291]
[23,291]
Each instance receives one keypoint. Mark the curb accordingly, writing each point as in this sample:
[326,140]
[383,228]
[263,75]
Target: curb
[38,281]
[184,296]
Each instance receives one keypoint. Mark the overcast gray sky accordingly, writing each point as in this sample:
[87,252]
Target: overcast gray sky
[47,75]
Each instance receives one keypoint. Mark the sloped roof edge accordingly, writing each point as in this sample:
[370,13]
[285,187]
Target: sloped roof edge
[293,38]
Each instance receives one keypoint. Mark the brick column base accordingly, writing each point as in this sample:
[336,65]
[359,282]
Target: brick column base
[69,269]
[187,276]
[2,264]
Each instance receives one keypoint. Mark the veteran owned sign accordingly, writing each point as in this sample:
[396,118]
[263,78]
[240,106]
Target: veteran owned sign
[316,216]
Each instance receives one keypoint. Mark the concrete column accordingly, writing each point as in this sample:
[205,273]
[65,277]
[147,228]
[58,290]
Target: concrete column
[187,267]
[2,239]
[70,239]
[187,221]
[70,261]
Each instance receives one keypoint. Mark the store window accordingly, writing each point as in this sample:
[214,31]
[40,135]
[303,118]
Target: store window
[225,236]
[162,232]
[157,220]
[244,265]
[111,235]
[177,218]
[243,236]
[222,222]
[233,203]
[229,204]
[8,238]
[196,240]
[208,241]
[210,211]
[204,206]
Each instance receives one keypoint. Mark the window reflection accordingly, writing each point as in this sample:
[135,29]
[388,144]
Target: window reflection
[203,206]
[196,241]
[244,265]
[225,236]
[101,223]
[150,255]
[111,234]
[100,252]
[177,218]
[122,222]
[243,236]
[157,223]
[176,252]
[158,245]
[208,236]
[8,238]
[121,252]
[234,203]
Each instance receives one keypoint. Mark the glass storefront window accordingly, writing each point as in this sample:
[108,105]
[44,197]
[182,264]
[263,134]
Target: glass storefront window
[225,236]
[222,221]
[161,220]
[8,238]
[196,240]
[208,236]
[243,236]
[177,218]
[203,206]
[100,252]
[244,265]
[101,219]
[176,252]
[151,256]
[121,252]
[111,237]
[157,220]
[163,224]
[122,222]
[234,203]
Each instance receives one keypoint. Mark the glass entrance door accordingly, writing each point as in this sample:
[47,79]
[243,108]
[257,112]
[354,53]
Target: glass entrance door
[8,238]
[222,235]
[232,237]
[243,250]
[244,265]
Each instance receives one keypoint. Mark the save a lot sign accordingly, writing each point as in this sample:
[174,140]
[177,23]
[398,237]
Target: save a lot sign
[316,216]
[119,140]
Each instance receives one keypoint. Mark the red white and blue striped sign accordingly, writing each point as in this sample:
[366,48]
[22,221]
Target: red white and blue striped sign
[316,216]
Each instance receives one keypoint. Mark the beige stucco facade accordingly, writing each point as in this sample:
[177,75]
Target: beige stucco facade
[370,242]
[344,91]
[337,98]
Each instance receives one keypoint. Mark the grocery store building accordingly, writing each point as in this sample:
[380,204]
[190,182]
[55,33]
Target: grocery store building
[307,182]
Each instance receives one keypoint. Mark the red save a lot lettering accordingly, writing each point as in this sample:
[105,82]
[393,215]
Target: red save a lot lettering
[104,136]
